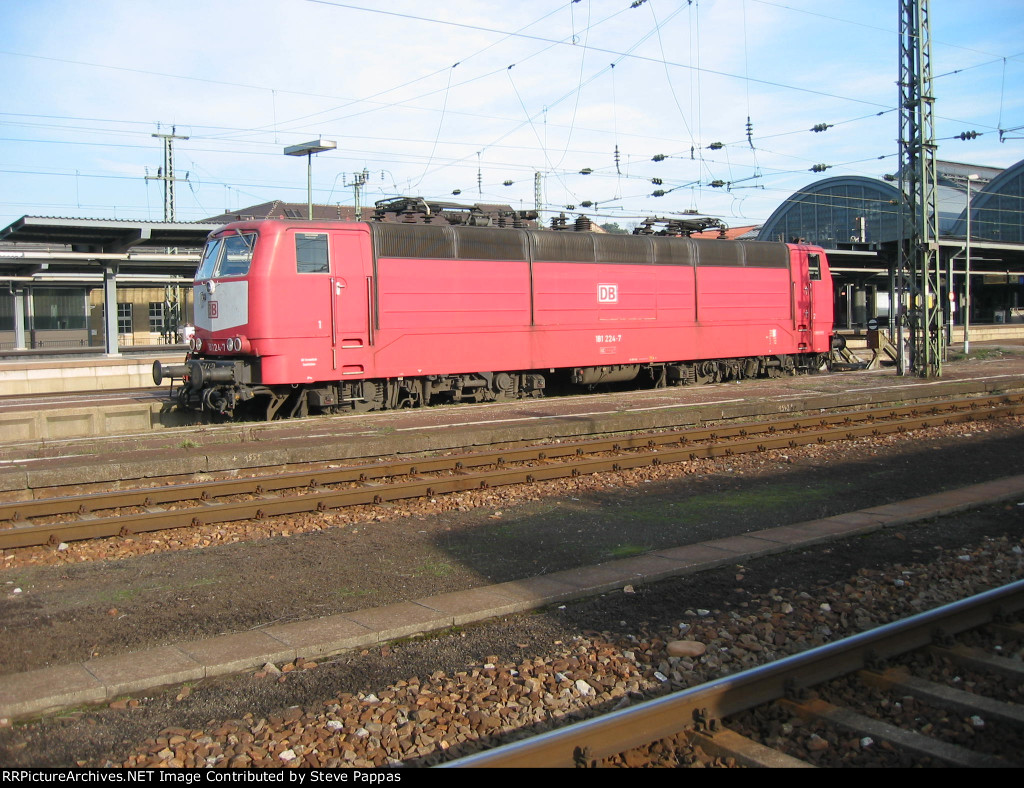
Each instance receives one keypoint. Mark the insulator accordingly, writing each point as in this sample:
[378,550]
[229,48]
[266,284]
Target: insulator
[617,170]
[586,171]
[659,157]
[507,183]
[820,167]
[717,184]
[968,135]
[657,181]
[716,146]
[456,191]
[658,193]
[586,204]
[821,127]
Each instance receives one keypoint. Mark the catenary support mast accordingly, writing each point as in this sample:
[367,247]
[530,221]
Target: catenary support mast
[917,305]
[166,173]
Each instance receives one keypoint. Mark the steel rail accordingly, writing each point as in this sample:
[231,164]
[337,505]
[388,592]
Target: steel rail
[583,742]
[155,512]
[153,496]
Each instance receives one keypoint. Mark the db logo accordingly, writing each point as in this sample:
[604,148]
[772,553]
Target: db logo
[607,294]
[213,309]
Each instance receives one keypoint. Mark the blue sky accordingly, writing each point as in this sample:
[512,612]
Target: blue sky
[478,96]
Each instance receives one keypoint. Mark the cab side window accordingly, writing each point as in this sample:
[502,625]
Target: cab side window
[311,253]
[814,267]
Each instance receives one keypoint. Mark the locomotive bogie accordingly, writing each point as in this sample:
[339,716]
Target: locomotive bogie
[360,396]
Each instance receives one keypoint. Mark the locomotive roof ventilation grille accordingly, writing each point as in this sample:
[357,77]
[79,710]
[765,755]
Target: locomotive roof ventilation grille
[563,246]
[448,242]
[445,242]
[489,243]
[717,253]
[623,249]
[759,254]
[414,240]
[672,251]
[743,253]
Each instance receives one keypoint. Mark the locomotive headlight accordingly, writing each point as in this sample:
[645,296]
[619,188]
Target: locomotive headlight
[196,344]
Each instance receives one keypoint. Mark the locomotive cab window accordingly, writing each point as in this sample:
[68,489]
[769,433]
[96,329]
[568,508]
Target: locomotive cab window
[814,267]
[229,255]
[237,255]
[311,253]
[210,255]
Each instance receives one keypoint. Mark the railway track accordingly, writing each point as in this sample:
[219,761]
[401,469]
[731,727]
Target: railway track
[175,504]
[711,716]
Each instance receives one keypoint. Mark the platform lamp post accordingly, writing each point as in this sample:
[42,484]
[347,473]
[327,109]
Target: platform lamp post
[967,271]
[307,149]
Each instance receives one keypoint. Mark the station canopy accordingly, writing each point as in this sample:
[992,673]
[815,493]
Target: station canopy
[35,244]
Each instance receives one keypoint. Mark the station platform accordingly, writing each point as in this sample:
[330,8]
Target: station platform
[20,377]
[1010,333]
[56,375]
[48,399]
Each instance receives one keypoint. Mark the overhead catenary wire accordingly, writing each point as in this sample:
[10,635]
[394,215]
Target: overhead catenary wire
[440,125]
[398,148]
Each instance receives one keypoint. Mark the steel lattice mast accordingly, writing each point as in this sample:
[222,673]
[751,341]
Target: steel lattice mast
[166,173]
[917,280]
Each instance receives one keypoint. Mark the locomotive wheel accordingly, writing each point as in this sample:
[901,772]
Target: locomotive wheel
[504,386]
[706,372]
[370,396]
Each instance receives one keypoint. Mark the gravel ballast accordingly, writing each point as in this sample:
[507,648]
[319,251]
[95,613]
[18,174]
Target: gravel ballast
[528,673]
[72,606]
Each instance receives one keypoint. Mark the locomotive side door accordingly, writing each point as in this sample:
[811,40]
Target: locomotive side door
[807,269]
[822,307]
[351,300]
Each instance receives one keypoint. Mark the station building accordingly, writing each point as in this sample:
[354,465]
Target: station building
[856,220]
[58,276]
[93,285]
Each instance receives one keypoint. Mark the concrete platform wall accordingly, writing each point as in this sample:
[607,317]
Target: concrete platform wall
[24,378]
[62,424]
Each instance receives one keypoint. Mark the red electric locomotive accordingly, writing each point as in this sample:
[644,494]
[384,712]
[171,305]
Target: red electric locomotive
[298,317]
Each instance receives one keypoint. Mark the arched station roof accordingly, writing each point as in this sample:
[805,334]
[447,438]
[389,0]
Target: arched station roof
[829,212]
[997,209]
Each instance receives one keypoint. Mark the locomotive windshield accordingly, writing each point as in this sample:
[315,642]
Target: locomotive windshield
[229,255]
